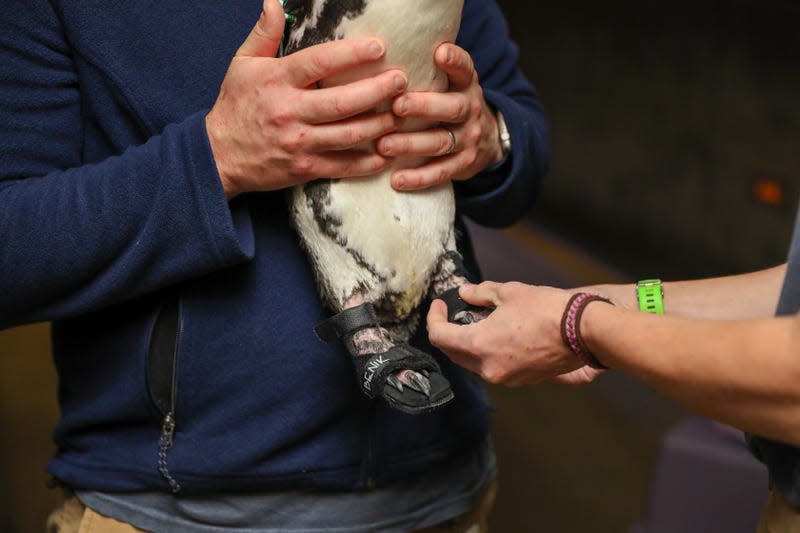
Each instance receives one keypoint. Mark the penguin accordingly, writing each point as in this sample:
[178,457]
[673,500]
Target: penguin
[377,253]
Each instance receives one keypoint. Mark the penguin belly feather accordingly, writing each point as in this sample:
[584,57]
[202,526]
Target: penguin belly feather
[362,236]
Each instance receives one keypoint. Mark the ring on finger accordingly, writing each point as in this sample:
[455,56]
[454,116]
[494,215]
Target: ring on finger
[452,140]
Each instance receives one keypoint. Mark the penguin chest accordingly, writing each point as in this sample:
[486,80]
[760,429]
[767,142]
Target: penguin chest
[363,236]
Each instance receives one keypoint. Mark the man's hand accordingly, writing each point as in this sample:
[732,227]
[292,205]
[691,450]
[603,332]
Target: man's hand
[519,343]
[272,128]
[462,110]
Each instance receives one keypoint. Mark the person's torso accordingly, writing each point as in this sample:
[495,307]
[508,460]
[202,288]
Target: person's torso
[257,400]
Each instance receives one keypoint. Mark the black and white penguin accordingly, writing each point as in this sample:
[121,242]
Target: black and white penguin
[378,253]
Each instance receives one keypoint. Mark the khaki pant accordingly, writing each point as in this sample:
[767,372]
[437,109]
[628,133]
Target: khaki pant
[71,516]
[778,516]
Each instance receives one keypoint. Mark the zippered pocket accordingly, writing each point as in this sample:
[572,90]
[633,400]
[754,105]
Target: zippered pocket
[162,378]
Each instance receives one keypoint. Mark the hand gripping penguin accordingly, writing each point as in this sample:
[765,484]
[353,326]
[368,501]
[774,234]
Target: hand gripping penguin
[378,253]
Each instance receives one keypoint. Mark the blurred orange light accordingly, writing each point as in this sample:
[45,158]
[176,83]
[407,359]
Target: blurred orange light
[768,192]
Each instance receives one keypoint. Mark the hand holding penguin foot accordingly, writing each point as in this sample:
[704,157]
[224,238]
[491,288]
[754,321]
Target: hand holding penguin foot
[446,288]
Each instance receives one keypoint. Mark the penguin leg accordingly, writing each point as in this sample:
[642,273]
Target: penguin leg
[452,275]
[408,379]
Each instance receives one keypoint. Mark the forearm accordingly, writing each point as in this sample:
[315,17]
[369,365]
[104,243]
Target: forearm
[95,235]
[745,296]
[500,198]
[745,373]
[739,297]
[95,207]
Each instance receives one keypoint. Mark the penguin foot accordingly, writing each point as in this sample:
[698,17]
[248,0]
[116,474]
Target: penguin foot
[453,274]
[406,378]
[461,312]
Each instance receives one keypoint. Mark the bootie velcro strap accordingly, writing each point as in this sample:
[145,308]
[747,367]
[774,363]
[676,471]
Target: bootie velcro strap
[346,322]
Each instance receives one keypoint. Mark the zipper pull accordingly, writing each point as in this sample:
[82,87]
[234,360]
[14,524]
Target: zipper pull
[164,444]
[167,432]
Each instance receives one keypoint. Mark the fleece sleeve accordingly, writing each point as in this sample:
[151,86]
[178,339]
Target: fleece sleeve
[76,237]
[500,196]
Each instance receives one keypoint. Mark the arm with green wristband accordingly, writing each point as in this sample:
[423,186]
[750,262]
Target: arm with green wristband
[717,349]
[742,296]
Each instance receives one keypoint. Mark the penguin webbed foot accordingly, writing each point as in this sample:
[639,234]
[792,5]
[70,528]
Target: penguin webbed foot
[406,378]
[453,274]
[418,381]
[461,312]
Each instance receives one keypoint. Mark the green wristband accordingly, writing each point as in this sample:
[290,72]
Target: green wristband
[650,294]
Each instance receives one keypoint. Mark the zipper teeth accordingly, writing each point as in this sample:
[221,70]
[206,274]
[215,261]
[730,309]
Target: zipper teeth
[167,436]
[173,397]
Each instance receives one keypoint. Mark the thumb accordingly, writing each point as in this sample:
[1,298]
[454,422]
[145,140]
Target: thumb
[437,314]
[484,295]
[265,38]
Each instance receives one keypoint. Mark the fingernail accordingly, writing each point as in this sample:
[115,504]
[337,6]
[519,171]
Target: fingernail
[399,82]
[399,181]
[375,49]
[386,146]
[402,106]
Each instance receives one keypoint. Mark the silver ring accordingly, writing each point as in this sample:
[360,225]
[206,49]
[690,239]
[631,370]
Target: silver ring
[452,140]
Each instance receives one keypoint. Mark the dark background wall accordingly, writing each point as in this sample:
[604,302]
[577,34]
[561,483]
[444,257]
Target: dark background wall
[663,116]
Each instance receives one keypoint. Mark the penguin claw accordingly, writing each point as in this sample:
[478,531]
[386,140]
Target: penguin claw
[411,379]
[395,382]
[418,382]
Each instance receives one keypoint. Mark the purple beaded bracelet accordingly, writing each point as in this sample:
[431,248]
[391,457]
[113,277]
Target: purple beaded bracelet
[571,331]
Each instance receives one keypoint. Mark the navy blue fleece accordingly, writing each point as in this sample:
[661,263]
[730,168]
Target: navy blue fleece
[110,203]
